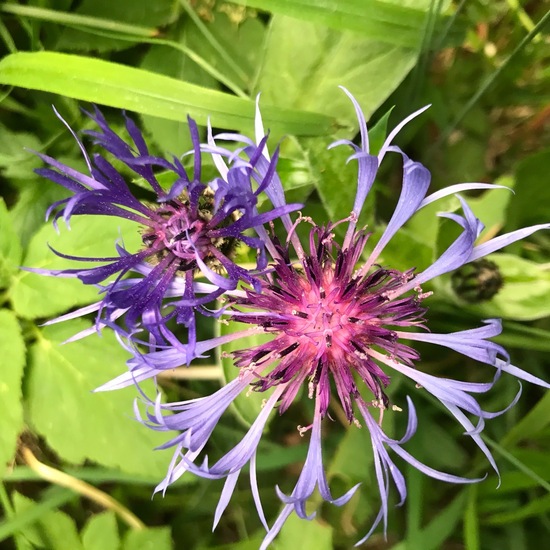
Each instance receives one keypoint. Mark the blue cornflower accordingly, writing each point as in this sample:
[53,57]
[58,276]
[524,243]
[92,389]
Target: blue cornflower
[190,229]
[337,320]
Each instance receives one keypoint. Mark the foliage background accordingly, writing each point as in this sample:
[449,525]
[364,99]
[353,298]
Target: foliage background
[483,64]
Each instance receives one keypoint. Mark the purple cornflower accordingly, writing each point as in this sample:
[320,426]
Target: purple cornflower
[189,229]
[337,320]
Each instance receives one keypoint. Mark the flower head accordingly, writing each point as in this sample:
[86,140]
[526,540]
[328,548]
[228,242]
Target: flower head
[189,228]
[340,324]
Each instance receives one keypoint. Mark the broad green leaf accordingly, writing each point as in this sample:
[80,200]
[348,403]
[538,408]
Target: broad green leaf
[101,532]
[35,296]
[145,92]
[156,538]
[376,19]
[15,160]
[297,180]
[247,405]
[120,16]
[525,294]
[531,424]
[27,215]
[379,132]
[353,458]
[450,453]
[491,207]
[10,247]
[77,423]
[531,203]
[335,179]
[306,535]
[425,225]
[405,251]
[11,374]
[173,136]
[54,530]
[241,42]
[307,77]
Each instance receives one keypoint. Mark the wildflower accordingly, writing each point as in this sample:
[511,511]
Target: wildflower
[337,320]
[190,228]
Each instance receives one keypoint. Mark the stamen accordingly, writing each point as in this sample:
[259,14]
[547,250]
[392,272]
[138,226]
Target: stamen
[299,314]
[302,430]
[289,349]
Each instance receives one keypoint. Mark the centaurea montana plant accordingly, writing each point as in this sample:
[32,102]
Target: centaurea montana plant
[338,323]
[191,227]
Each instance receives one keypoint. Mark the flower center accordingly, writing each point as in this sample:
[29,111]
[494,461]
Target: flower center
[327,323]
[182,233]
[323,319]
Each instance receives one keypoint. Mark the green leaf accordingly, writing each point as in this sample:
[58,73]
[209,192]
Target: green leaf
[27,215]
[532,423]
[157,538]
[534,461]
[304,64]
[441,527]
[11,374]
[306,535]
[247,405]
[101,532]
[240,42]
[531,202]
[250,544]
[353,458]
[55,530]
[525,294]
[405,250]
[375,19]
[15,160]
[379,132]
[335,180]
[78,424]
[491,207]
[65,18]
[536,507]
[471,520]
[121,16]
[145,92]
[172,136]
[10,248]
[35,295]
[523,336]
[450,454]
